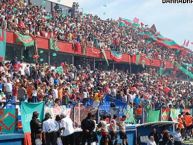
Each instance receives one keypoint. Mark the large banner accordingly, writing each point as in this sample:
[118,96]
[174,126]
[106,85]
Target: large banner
[7,120]
[57,111]
[27,110]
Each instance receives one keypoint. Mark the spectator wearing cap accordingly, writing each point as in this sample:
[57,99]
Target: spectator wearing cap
[36,128]
[50,130]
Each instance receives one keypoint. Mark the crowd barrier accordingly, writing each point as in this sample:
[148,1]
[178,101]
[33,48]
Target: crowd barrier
[10,117]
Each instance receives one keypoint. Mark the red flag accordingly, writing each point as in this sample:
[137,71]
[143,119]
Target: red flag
[136,20]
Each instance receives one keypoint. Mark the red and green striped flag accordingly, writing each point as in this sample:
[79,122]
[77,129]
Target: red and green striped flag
[26,40]
[124,22]
[116,56]
[2,44]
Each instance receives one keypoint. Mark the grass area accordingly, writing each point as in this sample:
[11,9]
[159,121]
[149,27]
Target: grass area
[190,141]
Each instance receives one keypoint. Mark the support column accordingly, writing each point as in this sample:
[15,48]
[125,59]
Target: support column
[94,64]
[73,59]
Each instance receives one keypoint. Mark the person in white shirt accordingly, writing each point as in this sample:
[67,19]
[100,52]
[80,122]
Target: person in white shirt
[68,130]
[50,130]
[177,137]
[8,88]
[151,141]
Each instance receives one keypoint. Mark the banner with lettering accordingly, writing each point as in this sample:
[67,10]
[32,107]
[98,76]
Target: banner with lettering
[27,110]
[7,120]
[57,111]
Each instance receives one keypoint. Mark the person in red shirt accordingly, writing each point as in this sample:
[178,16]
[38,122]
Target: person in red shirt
[188,124]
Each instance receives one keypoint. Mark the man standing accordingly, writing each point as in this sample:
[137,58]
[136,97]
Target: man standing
[50,130]
[36,128]
[88,126]
[8,89]
[113,130]
[122,128]
[68,130]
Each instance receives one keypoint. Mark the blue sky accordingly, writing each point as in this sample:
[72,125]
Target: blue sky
[172,20]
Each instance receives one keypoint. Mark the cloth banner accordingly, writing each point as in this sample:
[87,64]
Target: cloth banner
[53,44]
[174,114]
[185,71]
[27,110]
[130,117]
[2,44]
[7,120]
[161,71]
[105,56]
[124,22]
[165,114]
[26,40]
[153,116]
[116,56]
[57,111]
[81,113]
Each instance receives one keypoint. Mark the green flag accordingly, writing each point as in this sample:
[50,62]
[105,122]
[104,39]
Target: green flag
[130,117]
[153,116]
[53,44]
[2,44]
[26,40]
[59,70]
[161,70]
[174,114]
[7,120]
[27,110]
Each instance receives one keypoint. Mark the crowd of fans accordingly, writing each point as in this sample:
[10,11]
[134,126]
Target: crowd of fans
[42,83]
[34,83]
[89,30]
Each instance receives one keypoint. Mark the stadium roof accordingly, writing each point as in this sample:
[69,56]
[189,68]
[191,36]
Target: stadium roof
[67,3]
